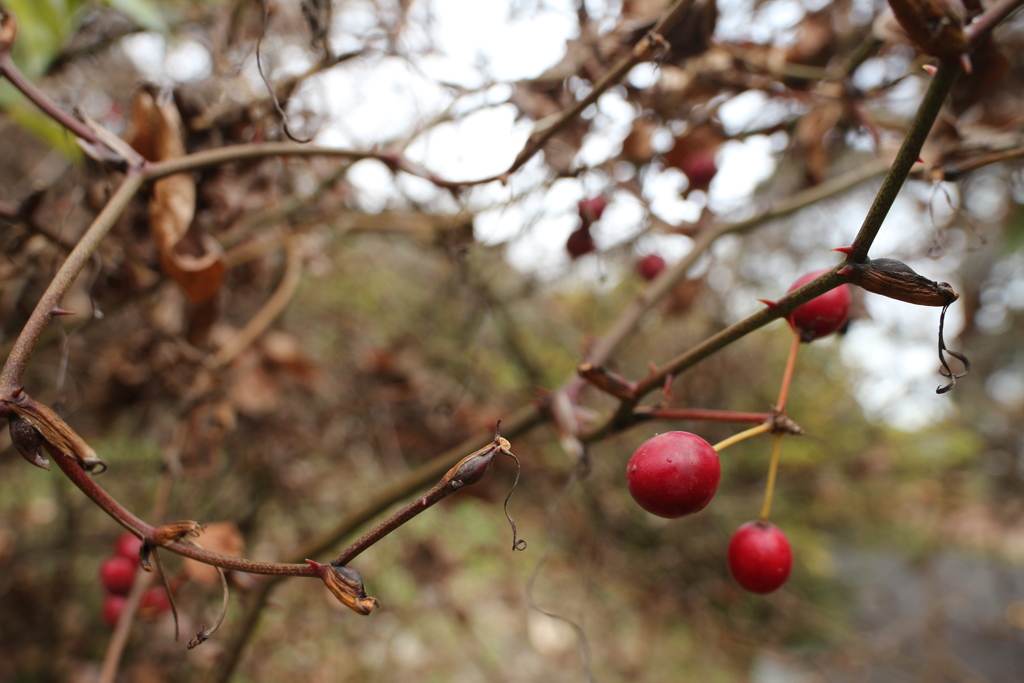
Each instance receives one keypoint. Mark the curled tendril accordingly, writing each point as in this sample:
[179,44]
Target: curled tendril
[517,544]
[946,371]
[266,80]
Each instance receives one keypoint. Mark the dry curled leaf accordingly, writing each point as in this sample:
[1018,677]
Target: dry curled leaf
[195,261]
[53,430]
[346,585]
[935,26]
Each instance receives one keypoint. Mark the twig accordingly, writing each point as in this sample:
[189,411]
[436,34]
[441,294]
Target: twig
[645,413]
[602,351]
[646,48]
[14,367]
[523,421]
[119,639]
[268,313]
[927,111]
[467,471]
[984,24]
[952,172]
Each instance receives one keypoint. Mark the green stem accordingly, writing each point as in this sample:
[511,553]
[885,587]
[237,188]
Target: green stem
[769,488]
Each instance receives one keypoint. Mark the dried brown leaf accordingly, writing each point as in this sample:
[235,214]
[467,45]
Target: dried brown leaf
[195,261]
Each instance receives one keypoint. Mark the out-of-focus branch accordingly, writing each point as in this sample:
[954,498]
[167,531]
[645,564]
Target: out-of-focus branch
[645,49]
[14,367]
[626,323]
[274,306]
[989,19]
[907,156]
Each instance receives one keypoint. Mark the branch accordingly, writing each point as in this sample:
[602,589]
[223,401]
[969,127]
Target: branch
[14,367]
[644,50]
[983,25]
[523,421]
[267,314]
[626,324]
[909,152]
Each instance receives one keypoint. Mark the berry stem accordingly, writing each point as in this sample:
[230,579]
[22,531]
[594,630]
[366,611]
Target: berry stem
[703,414]
[780,405]
[746,434]
[769,488]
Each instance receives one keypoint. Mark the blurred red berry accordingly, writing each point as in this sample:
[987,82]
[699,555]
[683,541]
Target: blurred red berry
[579,243]
[590,210]
[700,169]
[128,546]
[117,574]
[154,602]
[822,315]
[650,266]
[113,605]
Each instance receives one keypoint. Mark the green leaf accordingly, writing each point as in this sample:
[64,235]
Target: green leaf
[145,13]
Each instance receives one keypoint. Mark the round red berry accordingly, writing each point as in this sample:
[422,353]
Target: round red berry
[650,266]
[590,210]
[117,574]
[700,169]
[760,557]
[673,474]
[128,546]
[113,605]
[154,602]
[822,315]
[579,243]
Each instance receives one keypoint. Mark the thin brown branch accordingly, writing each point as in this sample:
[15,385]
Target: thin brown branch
[602,351]
[645,49]
[274,306]
[647,413]
[907,156]
[521,422]
[951,172]
[119,639]
[992,17]
[14,367]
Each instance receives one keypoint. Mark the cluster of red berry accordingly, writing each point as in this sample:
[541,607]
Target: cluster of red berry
[677,473]
[117,574]
[581,242]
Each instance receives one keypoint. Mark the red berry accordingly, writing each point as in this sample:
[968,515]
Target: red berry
[650,266]
[579,243]
[823,315]
[760,557]
[590,210]
[673,474]
[700,169]
[117,574]
[128,546]
[113,605]
[154,602]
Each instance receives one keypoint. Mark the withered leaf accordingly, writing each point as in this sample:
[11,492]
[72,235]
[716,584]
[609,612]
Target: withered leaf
[195,261]
[54,430]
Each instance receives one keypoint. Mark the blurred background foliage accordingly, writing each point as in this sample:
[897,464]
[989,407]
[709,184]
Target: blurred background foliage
[418,322]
